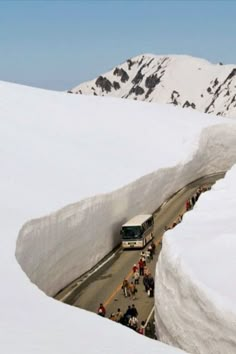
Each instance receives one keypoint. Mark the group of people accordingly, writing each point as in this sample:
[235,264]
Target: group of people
[129,318]
[141,270]
[189,205]
[129,288]
[191,201]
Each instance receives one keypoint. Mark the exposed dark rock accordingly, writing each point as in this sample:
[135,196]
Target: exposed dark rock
[94,94]
[92,88]
[220,63]
[122,74]
[141,60]
[151,81]
[130,63]
[227,93]
[233,73]
[137,90]
[174,95]
[209,89]
[149,62]
[233,99]
[216,82]
[166,58]
[175,102]
[104,83]
[149,91]
[116,85]
[201,95]
[217,93]
[186,104]
[138,77]
[69,91]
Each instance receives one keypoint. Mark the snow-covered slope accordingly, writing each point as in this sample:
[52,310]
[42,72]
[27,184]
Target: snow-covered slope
[196,287]
[175,79]
[73,168]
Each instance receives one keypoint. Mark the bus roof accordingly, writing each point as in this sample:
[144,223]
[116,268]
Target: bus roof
[137,220]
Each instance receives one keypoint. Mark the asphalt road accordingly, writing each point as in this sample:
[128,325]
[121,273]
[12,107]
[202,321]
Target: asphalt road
[104,286]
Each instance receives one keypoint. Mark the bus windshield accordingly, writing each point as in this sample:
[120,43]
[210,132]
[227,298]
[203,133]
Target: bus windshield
[131,232]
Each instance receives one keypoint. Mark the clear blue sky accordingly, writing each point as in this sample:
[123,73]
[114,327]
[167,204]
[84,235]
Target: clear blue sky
[59,44]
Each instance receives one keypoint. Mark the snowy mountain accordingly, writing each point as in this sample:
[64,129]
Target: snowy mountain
[175,79]
[72,171]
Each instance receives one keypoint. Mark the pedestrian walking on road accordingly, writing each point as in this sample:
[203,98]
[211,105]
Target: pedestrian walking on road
[143,256]
[136,277]
[134,312]
[153,247]
[150,286]
[119,316]
[141,267]
[133,323]
[101,310]
[127,316]
[146,282]
[125,288]
[133,290]
[150,250]
[141,329]
[135,268]
[112,317]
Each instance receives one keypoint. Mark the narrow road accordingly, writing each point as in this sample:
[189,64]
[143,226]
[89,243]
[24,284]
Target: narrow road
[104,286]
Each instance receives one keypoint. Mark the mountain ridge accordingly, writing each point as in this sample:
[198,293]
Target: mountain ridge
[180,80]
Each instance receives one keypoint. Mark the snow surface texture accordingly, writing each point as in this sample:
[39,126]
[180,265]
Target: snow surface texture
[175,79]
[196,289]
[98,161]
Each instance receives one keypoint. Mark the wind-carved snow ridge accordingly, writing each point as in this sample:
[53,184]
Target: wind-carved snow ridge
[97,161]
[179,80]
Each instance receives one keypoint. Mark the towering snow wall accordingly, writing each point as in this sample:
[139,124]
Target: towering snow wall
[97,161]
[49,249]
[195,276]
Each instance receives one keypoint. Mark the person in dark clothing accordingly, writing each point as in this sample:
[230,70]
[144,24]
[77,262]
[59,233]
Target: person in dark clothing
[153,247]
[134,312]
[151,286]
[128,312]
[146,282]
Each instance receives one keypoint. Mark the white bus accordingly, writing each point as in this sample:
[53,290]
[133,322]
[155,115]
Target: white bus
[137,232]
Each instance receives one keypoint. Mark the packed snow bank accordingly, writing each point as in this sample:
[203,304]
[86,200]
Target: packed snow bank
[196,287]
[103,160]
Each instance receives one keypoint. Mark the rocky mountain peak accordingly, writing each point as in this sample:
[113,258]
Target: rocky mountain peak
[179,80]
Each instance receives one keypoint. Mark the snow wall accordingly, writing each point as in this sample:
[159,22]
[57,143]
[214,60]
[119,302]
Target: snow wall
[49,248]
[195,289]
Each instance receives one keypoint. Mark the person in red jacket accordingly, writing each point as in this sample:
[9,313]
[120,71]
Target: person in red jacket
[141,267]
[101,311]
[135,268]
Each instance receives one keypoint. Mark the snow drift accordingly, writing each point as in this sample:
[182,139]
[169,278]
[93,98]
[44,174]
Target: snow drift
[73,169]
